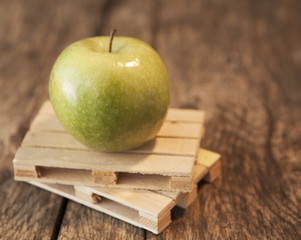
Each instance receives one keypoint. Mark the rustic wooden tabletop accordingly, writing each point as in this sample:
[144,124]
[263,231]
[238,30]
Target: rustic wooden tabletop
[238,60]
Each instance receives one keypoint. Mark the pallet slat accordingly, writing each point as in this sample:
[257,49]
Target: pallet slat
[173,114]
[107,162]
[159,145]
[141,200]
[169,129]
[185,115]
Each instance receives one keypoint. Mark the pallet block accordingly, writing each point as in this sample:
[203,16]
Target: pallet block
[143,208]
[49,154]
[214,167]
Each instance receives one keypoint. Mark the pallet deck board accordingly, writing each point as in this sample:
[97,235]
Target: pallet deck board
[173,114]
[159,145]
[185,123]
[169,128]
[141,200]
[107,162]
[185,115]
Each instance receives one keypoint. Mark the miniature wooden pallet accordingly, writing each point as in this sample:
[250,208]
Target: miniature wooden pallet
[49,154]
[143,208]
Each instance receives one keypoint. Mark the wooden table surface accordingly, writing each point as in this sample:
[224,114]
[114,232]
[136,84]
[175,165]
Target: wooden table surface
[238,60]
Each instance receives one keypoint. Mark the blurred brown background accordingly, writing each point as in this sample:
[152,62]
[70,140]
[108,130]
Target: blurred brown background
[238,60]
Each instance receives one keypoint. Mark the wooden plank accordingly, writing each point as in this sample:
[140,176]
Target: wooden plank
[159,145]
[173,114]
[169,129]
[189,198]
[181,129]
[185,115]
[142,200]
[46,109]
[117,162]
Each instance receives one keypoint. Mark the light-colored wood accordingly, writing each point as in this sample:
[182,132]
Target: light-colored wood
[47,109]
[185,115]
[199,172]
[146,201]
[105,177]
[214,172]
[169,129]
[180,129]
[159,145]
[173,114]
[107,162]
[84,177]
[122,205]
[188,198]
[208,158]
[184,183]
[79,194]
[211,161]
[27,171]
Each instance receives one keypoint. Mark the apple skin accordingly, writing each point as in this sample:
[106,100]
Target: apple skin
[114,101]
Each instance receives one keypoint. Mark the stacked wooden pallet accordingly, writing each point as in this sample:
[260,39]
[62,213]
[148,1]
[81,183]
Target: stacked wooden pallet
[140,186]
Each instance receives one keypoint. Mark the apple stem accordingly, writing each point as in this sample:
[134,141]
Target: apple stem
[111,39]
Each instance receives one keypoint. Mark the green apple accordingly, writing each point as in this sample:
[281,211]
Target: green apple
[110,101]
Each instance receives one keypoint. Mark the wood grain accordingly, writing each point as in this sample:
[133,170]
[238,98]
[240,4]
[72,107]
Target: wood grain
[84,223]
[243,70]
[238,60]
[30,41]
[32,35]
